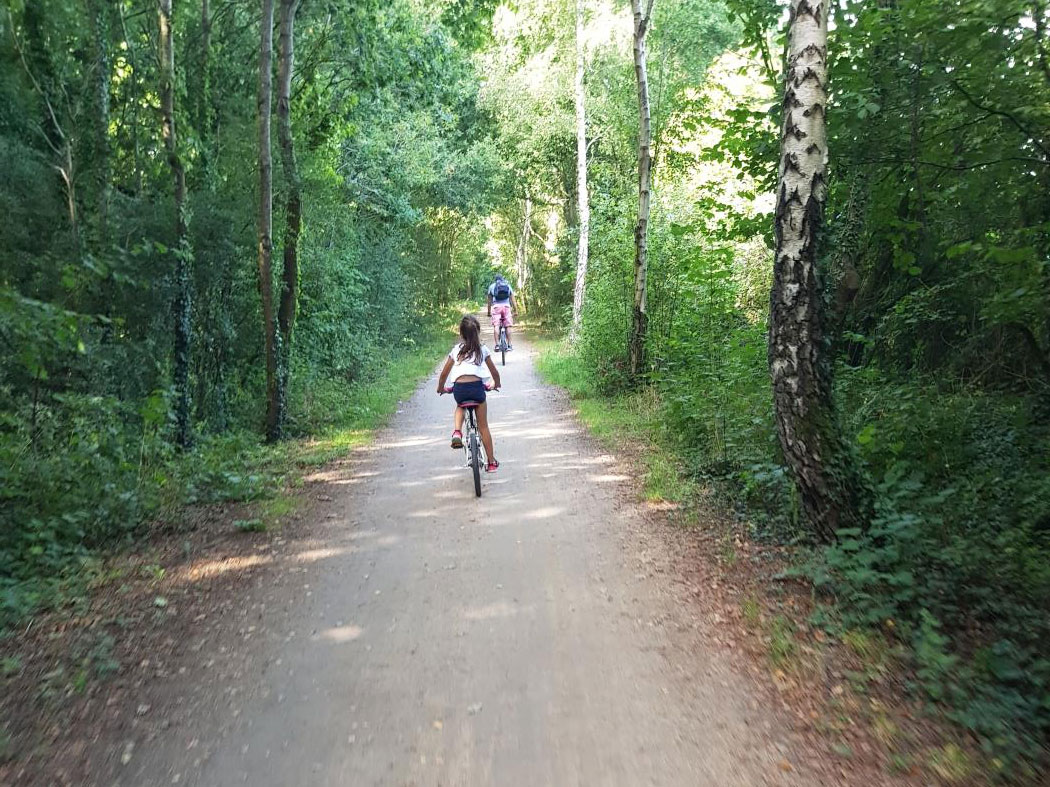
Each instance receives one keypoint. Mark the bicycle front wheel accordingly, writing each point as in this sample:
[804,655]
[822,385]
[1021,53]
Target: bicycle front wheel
[475,462]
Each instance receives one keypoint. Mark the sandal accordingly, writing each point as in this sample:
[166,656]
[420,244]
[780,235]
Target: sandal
[457,439]
[492,466]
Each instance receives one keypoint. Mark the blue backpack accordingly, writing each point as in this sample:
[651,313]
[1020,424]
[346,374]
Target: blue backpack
[501,291]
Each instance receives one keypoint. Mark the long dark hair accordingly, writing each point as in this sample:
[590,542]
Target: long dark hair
[470,333]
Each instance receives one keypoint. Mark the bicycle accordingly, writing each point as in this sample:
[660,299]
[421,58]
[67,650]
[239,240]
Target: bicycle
[472,444]
[503,344]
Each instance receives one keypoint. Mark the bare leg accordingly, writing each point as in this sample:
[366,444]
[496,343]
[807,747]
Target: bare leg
[483,427]
[508,336]
[458,418]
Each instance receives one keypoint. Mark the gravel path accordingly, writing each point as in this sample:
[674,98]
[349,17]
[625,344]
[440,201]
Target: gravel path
[421,636]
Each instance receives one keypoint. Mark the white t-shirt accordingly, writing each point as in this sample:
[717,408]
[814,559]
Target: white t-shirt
[467,365]
[496,301]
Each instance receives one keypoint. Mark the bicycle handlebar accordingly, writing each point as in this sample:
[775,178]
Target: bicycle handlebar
[448,390]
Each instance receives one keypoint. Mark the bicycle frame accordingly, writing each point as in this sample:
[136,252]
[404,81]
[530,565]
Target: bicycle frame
[502,343]
[473,445]
[470,427]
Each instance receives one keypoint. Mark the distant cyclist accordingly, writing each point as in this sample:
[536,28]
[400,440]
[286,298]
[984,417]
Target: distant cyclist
[501,304]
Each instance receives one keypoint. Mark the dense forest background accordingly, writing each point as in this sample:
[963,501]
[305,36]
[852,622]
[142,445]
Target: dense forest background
[436,142]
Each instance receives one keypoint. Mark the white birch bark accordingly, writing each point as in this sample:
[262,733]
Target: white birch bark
[645,164]
[582,194]
[828,485]
[521,254]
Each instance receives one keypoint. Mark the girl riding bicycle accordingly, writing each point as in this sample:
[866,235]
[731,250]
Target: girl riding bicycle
[468,366]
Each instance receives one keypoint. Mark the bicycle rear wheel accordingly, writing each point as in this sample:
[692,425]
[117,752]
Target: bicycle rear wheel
[475,461]
[503,345]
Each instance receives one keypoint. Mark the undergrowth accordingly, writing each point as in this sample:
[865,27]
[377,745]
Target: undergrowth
[94,473]
[954,572]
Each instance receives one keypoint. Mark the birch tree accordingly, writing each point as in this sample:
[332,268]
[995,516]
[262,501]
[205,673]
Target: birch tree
[183,253]
[809,434]
[293,211]
[266,215]
[582,196]
[645,165]
[521,254]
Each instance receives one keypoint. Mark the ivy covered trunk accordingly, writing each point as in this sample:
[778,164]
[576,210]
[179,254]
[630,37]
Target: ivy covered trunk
[640,319]
[183,254]
[582,196]
[266,215]
[293,214]
[799,362]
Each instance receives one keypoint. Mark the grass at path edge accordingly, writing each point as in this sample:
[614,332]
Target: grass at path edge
[330,420]
[631,422]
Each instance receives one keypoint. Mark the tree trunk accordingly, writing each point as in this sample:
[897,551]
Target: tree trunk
[645,164]
[183,253]
[521,255]
[266,211]
[204,113]
[828,484]
[57,139]
[582,195]
[100,29]
[293,213]
[135,100]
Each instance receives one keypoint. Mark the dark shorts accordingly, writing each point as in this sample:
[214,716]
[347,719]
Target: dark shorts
[473,391]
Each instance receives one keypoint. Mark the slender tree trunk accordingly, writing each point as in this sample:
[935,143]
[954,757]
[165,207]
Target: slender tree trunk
[68,174]
[645,164]
[183,253]
[582,194]
[521,256]
[829,487]
[100,29]
[293,214]
[57,139]
[133,60]
[266,210]
[204,113]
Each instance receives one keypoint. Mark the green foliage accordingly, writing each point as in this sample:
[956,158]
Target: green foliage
[938,213]
[437,144]
[101,481]
[397,169]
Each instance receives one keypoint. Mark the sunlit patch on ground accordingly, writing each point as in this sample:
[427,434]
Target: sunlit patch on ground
[662,505]
[413,442]
[545,512]
[340,634]
[213,568]
[608,478]
[313,555]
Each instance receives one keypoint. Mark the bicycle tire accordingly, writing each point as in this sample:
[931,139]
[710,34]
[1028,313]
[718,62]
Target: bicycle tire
[503,345]
[475,462]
